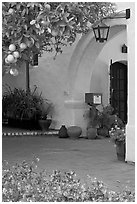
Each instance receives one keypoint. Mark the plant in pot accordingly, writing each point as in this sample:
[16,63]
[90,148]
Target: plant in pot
[93,122]
[118,136]
[45,118]
[107,120]
[22,108]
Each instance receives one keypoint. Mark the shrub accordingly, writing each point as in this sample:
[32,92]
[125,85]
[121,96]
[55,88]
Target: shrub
[23,183]
[18,104]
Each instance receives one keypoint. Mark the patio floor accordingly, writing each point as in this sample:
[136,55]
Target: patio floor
[96,158]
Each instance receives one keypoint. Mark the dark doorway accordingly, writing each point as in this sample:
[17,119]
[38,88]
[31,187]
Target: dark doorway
[118,89]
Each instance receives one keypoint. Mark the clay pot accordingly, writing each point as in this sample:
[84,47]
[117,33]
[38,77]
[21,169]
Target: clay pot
[74,132]
[45,124]
[92,133]
[120,150]
[63,132]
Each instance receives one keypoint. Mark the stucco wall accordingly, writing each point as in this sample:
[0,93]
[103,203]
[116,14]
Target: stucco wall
[130,139]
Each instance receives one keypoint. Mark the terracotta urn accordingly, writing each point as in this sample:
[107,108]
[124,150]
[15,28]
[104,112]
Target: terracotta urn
[74,132]
[92,133]
[63,132]
[45,124]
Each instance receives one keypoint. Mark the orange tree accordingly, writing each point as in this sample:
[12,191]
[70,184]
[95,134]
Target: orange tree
[32,28]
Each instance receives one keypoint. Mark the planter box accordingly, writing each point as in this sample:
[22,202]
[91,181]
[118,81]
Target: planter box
[28,124]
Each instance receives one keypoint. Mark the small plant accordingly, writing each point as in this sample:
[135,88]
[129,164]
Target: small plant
[116,133]
[108,119]
[22,183]
[46,111]
[92,115]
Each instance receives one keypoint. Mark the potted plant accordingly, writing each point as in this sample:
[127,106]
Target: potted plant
[45,118]
[93,122]
[22,108]
[118,136]
[107,120]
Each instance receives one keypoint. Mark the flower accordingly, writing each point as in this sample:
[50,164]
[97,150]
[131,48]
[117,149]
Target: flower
[22,183]
[117,134]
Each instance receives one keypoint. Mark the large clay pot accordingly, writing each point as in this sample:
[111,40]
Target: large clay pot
[74,132]
[92,133]
[63,132]
[45,124]
[120,150]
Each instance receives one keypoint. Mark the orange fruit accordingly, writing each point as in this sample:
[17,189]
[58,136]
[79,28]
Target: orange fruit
[12,47]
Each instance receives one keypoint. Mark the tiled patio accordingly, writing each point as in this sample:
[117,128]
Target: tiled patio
[96,158]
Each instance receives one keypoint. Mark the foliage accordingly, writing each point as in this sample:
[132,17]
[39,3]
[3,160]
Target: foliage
[108,119]
[19,104]
[22,183]
[117,134]
[92,115]
[29,28]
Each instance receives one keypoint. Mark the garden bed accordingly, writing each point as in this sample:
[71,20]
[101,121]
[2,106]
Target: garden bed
[22,183]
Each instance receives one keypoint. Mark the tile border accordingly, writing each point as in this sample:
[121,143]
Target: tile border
[30,133]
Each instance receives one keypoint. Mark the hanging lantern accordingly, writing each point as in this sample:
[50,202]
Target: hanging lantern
[101,32]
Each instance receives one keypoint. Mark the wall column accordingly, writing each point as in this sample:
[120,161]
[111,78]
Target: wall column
[130,134]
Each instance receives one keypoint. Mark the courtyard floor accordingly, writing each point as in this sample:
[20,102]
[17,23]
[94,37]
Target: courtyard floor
[96,158]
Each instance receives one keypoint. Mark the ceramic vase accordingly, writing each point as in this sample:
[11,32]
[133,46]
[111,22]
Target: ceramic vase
[74,132]
[91,133]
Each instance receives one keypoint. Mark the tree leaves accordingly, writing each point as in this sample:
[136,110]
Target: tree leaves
[39,24]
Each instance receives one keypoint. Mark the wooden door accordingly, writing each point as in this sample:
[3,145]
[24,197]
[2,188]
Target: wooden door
[118,89]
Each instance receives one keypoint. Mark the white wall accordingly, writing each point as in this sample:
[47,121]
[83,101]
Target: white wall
[130,139]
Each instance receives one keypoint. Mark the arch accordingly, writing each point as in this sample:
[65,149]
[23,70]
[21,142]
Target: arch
[82,62]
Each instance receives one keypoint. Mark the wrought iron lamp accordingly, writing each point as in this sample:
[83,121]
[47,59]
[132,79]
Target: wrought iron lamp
[101,31]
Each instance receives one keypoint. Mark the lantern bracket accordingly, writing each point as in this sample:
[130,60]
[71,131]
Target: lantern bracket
[101,31]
